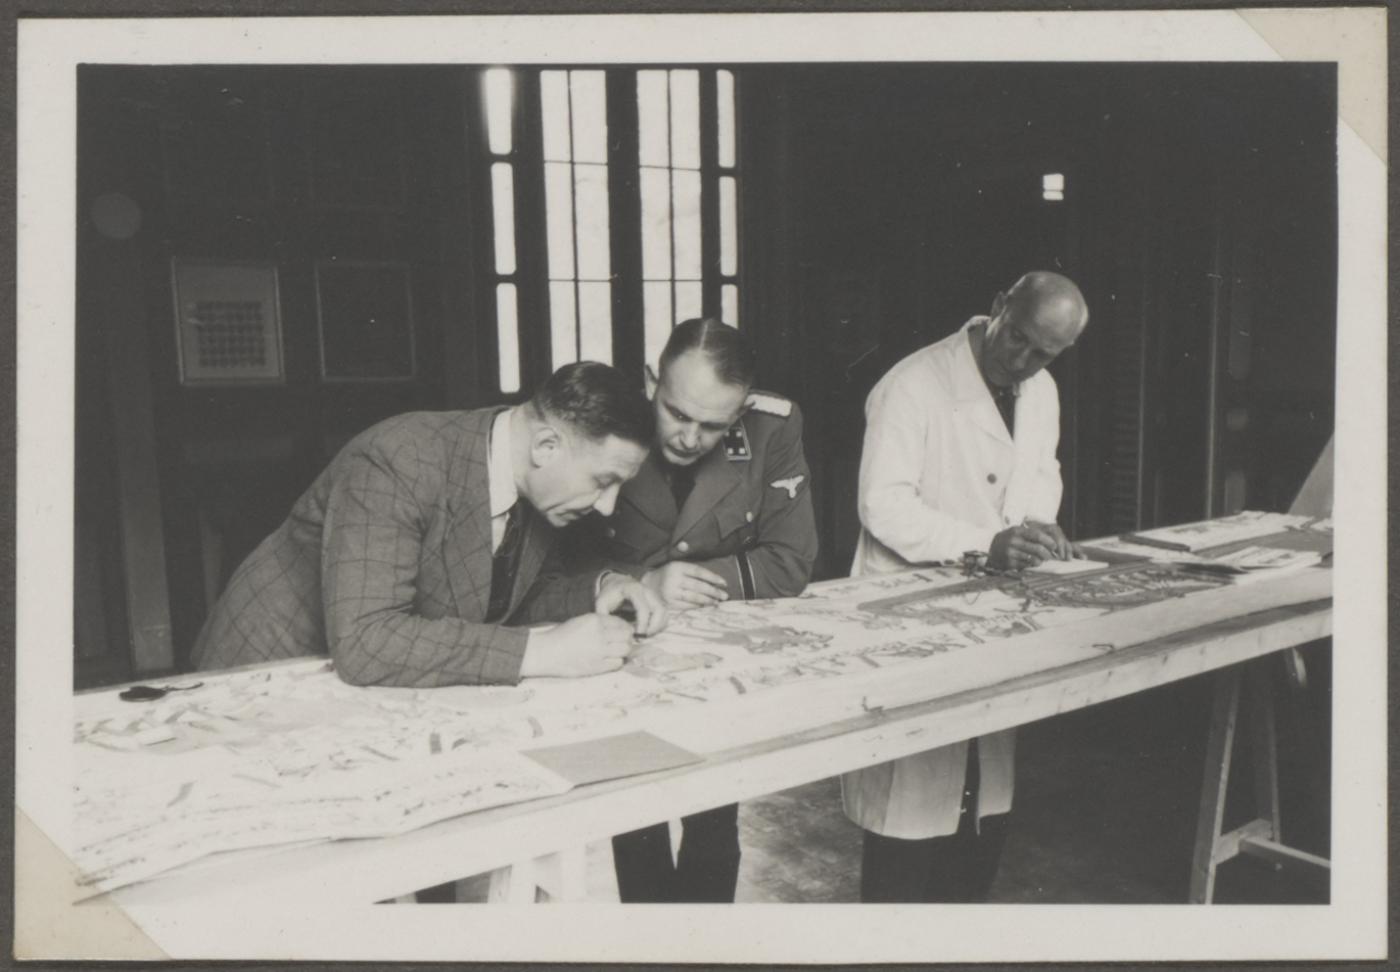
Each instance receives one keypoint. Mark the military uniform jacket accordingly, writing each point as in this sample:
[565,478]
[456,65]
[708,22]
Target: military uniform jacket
[748,518]
[385,563]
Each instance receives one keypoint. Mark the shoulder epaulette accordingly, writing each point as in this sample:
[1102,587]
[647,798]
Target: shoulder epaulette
[769,404]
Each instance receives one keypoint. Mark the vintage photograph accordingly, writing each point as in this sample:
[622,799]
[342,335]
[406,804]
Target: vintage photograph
[590,470]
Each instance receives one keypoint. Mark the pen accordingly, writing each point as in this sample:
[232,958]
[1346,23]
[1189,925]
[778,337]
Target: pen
[1027,521]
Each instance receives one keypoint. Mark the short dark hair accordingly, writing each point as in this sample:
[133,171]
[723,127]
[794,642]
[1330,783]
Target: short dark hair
[729,350]
[597,401]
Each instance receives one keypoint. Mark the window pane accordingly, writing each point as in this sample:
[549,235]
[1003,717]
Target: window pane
[724,104]
[507,338]
[595,321]
[591,215]
[689,301]
[656,314]
[588,107]
[685,119]
[559,219]
[728,235]
[729,304]
[686,188]
[503,211]
[554,112]
[656,224]
[651,118]
[563,329]
[498,109]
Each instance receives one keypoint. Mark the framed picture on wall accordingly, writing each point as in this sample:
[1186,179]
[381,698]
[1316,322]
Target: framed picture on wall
[228,325]
[365,317]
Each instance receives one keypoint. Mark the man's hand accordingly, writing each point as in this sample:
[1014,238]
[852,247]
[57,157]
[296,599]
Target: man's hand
[586,645]
[1019,547]
[1064,550]
[682,585]
[648,610]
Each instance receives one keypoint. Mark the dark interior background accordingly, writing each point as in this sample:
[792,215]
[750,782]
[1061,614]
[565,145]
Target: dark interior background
[880,207]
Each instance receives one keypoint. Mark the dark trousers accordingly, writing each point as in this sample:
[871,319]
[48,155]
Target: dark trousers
[957,868]
[705,870]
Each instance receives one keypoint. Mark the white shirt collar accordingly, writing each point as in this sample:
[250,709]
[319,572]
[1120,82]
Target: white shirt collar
[499,470]
[969,381]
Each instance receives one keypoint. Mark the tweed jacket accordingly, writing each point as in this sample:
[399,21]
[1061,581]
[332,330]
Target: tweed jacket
[385,563]
[940,475]
[748,518]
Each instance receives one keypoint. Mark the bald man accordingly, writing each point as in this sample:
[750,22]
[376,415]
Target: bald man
[959,456]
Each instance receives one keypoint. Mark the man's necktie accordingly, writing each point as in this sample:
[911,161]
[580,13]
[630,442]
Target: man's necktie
[682,481]
[503,566]
[1006,405]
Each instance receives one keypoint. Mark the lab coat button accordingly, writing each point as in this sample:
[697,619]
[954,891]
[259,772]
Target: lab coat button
[991,477]
[749,516]
[683,547]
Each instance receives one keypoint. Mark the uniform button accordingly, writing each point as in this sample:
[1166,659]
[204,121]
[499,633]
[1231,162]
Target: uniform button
[991,477]
[749,516]
[610,532]
[683,547]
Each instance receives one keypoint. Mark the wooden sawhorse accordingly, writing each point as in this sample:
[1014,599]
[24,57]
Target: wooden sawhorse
[1261,837]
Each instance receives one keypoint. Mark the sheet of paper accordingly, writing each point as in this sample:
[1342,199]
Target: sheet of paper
[1270,559]
[1068,567]
[143,831]
[290,753]
[612,757]
[1195,537]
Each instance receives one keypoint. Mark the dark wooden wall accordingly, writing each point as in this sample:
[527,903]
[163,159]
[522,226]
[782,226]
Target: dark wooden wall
[1200,220]
[293,167]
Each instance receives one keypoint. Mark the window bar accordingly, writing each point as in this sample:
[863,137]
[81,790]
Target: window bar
[709,195]
[624,230]
[671,195]
[573,219]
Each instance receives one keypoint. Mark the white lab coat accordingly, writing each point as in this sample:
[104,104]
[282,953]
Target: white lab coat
[940,476]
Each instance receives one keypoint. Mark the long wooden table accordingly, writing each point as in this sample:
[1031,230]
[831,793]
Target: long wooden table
[887,714]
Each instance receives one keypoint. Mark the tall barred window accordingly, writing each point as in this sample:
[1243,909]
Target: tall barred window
[573,111]
[615,208]
[688,172]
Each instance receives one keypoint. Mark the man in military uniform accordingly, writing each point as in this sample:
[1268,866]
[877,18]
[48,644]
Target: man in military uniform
[720,509]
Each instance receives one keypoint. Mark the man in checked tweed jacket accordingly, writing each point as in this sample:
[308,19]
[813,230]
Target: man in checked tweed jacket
[386,562]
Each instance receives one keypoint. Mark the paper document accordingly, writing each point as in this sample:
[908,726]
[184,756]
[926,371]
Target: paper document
[136,833]
[1266,559]
[611,758]
[1195,537]
[1079,566]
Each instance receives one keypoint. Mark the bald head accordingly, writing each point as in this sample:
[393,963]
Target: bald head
[1051,299]
[1040,317]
